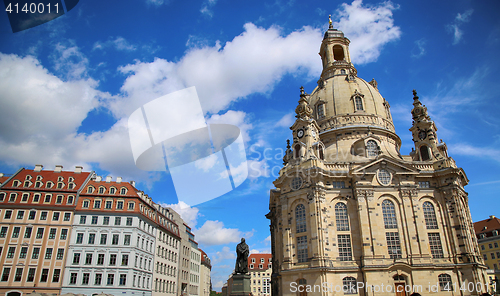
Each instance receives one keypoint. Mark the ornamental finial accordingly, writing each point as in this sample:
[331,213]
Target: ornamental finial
[302,92]
[288,144]
[415,97]
[330,21]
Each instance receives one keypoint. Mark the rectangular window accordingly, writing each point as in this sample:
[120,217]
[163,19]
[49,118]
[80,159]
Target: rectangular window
[118,220]
[22,254]
[8,214]
[48,253]
[111,279]
[11,252]
[52,233]
[70,199]
[15,232]
[119,205]
[302,248]
[83,219]
[67,216]
[104,237]
[131,205]
[60,254]
[5,274]
[32,215]
[3,231]
[435,245]
[98,279]
[59,199]
[393,245]
[424,184]
[86,278]
[39,233]
[43,216]
[20,215]
[129,221]
[109,204]
[27,232]
[124,260]
[105,221]
[123,279]
[36,253]
[97,204]
[79,238]
[492,255]
[25,197]
[72,278]
[127,240]
[56,275]
[64,234]
[12,197]
[76,258]
[116,238]
[112,259]
[45,275]
[31,275]
[36,197]
[100,259]
[19,274]
[47,198]
[85,204]
[91,238]
[88,259]
[94,220]
[55,216]
[344,245]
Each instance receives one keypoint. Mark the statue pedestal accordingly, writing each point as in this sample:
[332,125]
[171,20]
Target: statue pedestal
[241,285]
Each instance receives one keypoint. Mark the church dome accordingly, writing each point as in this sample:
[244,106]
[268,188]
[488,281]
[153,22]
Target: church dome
[348,110]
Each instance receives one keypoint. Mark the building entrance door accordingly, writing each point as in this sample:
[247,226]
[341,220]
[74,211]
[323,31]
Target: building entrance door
[400,289]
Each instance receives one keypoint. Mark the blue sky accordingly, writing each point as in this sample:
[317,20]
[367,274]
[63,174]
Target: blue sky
[68,86]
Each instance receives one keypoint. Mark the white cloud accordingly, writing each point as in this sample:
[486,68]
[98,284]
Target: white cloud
[251,63]
[268,239]
[188,214]
[224,254]
[237,118]
[206,163]
[214,233]
[454,27]
[469,150]
[206,8]
[420,48]
[156,2]
[368,27]
[70,61]
[286,121]
[254,251]
[119,43]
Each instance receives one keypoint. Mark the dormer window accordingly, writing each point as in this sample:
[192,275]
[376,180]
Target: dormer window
[16,183]
[26,184]
[112,190]
[60,179]
[38,184]
[123,191]
[60,185]
[90,189]
[101,190]
[358,103]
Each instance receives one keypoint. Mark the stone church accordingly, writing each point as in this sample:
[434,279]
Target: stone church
[350,214]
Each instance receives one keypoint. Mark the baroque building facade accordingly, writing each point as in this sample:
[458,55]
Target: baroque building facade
[350,214]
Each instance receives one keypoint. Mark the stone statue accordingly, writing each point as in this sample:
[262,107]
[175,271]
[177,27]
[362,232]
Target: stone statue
[242,258]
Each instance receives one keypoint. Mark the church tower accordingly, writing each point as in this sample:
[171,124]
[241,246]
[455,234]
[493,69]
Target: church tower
[350,214]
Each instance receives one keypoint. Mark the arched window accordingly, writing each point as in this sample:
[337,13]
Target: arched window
[399,278]
[297,151]
[101,190]
[341,217]
[389,214]
[358,103]
[321,111]
[445,282]
[123,190]
[321,153]
[424,153]
[371,148]
[300,218]
[430,216]
[112,190]
[349,285]
[90,189]
[338,53]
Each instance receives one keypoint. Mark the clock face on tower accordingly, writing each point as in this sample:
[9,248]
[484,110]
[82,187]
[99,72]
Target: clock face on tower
[422,135]
[300,133]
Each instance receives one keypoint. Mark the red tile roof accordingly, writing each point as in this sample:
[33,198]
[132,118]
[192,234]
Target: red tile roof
[257,257]
[488,225]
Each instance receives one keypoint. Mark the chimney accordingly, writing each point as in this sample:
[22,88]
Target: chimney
[132,183]
[492,217]
[78,169]
[58,168]
[1,175]
[118,179]
[98,178]
[38,167]
[108,179]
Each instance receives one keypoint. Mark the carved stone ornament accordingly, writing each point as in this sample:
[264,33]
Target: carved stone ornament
[410,192]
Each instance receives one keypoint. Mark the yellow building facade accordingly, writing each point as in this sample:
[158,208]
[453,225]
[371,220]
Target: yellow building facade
[351,215]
